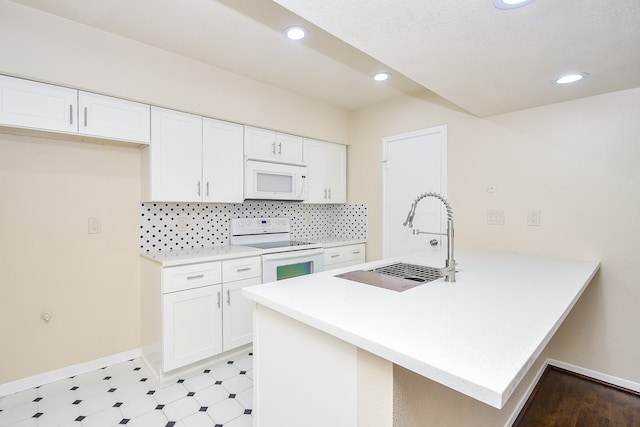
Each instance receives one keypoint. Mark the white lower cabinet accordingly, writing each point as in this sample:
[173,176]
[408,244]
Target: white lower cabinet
[237,319]
[344,256]
[192,323]
[196,311]
[237,315]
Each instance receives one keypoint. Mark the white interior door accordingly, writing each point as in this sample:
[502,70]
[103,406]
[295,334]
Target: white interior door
[413,163]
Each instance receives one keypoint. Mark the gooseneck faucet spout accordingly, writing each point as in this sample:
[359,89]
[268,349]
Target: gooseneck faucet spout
[449,271]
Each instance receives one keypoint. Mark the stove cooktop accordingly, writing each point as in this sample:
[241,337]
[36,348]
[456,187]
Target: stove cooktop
[287,244]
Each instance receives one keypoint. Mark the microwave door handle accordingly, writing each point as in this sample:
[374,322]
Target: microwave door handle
[302,182]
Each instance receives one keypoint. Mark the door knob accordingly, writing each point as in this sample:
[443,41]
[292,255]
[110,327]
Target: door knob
[433,242]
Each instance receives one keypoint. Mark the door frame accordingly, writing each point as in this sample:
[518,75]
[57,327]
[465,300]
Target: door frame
[441,130]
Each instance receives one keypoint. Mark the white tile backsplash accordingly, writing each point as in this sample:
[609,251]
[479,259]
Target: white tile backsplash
[172,226]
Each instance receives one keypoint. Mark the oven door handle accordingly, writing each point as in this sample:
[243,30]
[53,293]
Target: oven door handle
[293,254]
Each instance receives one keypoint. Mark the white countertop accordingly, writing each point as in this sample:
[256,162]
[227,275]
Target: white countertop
[478,335]
[196,255]
[332,242]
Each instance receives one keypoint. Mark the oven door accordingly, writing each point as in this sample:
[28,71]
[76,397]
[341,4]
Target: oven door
[284,265]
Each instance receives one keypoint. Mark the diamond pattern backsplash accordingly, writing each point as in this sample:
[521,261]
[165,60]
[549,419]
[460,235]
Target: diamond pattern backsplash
[172,226]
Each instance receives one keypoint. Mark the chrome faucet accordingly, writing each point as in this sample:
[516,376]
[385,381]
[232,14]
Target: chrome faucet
[449,271]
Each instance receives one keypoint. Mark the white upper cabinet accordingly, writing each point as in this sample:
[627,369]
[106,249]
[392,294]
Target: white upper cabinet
[175,156]
[114,118]
[35,105]
[222,161]
[268,145]
[194,159]
[29,104]
[326,171]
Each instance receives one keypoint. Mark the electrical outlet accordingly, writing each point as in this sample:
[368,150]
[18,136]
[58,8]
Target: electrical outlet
[95,225]
[495,217]
[533,217]
[181,223]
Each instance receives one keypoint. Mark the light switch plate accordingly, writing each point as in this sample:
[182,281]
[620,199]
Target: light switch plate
[533,217]
[495,217]
[95,225]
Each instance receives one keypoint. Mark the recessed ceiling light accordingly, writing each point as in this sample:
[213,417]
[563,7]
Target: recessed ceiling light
[510,4]
[380,77]
[295,33]
[571,78]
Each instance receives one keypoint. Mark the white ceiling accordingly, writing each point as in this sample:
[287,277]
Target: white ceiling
[485,60]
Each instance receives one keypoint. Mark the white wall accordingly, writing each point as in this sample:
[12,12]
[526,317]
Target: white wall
[49,188]
[577,162]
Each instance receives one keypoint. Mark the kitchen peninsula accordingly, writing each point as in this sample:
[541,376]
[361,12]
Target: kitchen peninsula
[313,335]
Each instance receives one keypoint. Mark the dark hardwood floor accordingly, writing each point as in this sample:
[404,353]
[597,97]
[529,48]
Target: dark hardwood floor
[566,399]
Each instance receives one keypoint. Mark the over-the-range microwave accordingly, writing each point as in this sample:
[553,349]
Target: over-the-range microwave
[274,180]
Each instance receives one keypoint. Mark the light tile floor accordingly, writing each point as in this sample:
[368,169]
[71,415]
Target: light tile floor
[126,394]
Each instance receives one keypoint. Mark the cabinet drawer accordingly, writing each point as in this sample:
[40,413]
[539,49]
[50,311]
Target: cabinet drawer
[241,268]
[355,252]
[334,255]
[191,276]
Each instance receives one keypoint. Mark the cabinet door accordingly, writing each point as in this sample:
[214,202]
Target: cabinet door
[192,326]
[114,118]
[259,143]
[222,161]
[336,173]
[29,104]
[237,321]
[314,158]
[273,146]
[175,156]
[289,148]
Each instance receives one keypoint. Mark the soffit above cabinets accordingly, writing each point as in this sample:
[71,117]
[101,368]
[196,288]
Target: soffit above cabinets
[244,37]
[484,60]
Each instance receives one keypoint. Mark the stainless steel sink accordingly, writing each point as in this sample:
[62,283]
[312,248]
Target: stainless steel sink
[418,273]
[397,277]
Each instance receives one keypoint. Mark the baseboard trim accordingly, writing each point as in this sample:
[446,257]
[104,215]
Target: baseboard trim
[619,382]
[66,372]
[629,385]
[526,395]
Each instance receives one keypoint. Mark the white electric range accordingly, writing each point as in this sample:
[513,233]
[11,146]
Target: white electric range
[282,257]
